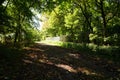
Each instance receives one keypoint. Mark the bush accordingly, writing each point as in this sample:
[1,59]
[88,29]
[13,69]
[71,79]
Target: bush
[96,39]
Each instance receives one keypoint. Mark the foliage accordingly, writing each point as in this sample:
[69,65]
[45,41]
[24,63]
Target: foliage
[88,26]
[82,21]
[85,21]
[16,19]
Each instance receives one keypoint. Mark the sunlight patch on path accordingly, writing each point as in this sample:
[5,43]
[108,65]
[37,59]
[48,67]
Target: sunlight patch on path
[66,67]
[51,43]
[33,49]
[76,56]
[27,61]
[37,55]
[86,71]
[70,68]
[63,66]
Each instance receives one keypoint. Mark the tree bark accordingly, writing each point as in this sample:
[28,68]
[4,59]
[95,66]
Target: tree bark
[104,18]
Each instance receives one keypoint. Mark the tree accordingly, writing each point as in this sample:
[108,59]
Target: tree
[19,14]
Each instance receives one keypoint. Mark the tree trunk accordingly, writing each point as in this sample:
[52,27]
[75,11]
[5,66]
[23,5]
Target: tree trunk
[16,37]
[17,33]
[104,19]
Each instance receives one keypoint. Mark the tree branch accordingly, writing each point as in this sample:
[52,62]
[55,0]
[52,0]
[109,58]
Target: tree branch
[114,14]
[6,5]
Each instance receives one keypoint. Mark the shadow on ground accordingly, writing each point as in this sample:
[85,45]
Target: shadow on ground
[45,62]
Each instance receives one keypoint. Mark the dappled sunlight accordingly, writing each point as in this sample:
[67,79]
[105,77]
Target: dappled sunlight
[27,61]
[59,39]
[33,56]
[33,49]
[51,63]
[77,56]
[65,59]
[46,61]
[70,68]
[87,71]
[66,67]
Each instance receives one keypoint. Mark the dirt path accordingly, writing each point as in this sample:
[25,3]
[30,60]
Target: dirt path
[47,62]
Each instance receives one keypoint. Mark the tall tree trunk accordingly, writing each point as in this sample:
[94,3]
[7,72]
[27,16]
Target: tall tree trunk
[17,33]
[16,37]
[104,18]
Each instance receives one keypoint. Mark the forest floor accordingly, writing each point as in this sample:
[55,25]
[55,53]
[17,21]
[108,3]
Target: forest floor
[47,62]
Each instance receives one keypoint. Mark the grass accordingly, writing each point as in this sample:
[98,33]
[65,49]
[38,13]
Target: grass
[107,52]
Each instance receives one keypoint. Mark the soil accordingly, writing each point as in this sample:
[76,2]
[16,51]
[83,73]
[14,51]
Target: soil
[47,62]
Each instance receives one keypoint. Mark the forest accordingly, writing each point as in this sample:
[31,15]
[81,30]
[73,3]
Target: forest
[89,45]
